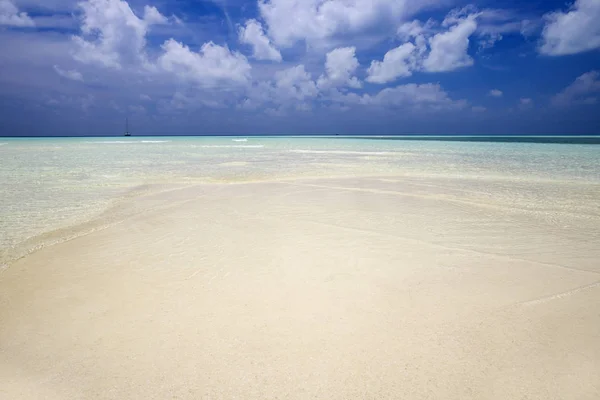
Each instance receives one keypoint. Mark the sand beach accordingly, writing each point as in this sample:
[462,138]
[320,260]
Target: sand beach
[357,287]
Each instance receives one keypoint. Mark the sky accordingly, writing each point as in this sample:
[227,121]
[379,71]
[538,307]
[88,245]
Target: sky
[194,67]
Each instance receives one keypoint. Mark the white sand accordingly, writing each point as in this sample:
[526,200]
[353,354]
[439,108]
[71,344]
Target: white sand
[324,289]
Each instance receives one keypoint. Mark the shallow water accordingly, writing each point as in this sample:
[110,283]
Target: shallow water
[52,183]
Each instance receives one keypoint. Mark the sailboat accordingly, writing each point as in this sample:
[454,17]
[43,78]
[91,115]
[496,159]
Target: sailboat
[127,133]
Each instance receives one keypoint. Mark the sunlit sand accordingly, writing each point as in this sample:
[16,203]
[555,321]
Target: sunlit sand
[349,288]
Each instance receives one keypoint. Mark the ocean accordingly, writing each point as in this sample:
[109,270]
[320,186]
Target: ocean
[52,184]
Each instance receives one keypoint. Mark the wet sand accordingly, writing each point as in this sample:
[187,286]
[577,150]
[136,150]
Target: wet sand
[331,289]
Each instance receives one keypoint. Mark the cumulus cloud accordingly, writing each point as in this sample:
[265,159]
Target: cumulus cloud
[254,35]
[410,96]
[290,89]
[340,66]
[294,83]
[290,21]
[449,49]
[432,49]
[416,28]
[574,31]
[153,17]
[73,75]
[212,65]
[493,24]
[585,90]
[112,35]
[294,88]
[430,96]
[398,62]
[496,93]
[10,15]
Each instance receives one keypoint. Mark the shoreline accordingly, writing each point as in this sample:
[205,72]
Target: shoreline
[67,182]
[120,208]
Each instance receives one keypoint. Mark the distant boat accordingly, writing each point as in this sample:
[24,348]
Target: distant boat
[127,133]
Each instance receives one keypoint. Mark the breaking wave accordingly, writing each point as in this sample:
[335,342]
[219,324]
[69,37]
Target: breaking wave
[127,141]
[234,146]
[345,152]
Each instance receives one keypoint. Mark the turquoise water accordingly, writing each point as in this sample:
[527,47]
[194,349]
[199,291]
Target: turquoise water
[50,183]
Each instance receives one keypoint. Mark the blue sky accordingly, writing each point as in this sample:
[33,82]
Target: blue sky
[71,67]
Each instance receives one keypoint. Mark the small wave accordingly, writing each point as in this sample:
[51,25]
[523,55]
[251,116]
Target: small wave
[2,144]
[344,152]
[239,146]
[127,141]
[239,140]
[111,142]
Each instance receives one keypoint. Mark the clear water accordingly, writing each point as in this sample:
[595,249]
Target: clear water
[51,183]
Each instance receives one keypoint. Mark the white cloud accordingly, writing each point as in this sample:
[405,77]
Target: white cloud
[340,66]
[254,35]
[431,51]
[115,37]
[449,49]
[73,75]
[295,83]
[398,62]
[575,31]
[348,98]
[291,89]
[488,41]
[478,109]
[212,65]
[112,35]
[585,90]
[259,94]
[411,96]
[430,96]
[496,93]
[153,17]
[415,29]
[529,27]
[10,15]
[493,24]
[290,21]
